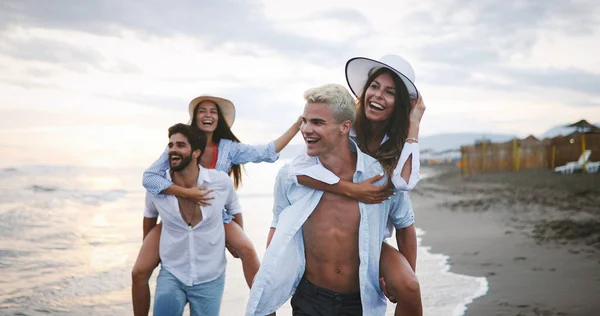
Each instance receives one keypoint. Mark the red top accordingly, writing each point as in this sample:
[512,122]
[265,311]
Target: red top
[215,154]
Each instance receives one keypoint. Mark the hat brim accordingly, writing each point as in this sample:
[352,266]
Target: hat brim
[225,106]
[357,73]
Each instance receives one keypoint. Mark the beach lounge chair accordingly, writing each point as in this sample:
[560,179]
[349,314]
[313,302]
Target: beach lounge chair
[571,166]
[593,166]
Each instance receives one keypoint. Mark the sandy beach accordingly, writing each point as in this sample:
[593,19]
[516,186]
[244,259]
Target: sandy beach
[535,235]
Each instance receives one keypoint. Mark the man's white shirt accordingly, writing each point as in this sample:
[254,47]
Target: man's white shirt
[196,254]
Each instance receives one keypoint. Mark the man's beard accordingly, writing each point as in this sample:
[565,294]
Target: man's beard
[184,162]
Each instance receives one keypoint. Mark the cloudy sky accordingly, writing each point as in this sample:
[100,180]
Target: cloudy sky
[98,82]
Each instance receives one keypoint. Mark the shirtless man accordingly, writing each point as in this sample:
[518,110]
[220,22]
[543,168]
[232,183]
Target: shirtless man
[324,248]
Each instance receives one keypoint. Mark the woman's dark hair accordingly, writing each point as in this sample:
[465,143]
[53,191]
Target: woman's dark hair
[222,131]
[396,127]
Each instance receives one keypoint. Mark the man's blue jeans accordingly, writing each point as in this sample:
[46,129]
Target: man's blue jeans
[172,295]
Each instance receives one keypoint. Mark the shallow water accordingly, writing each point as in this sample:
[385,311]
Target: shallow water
[69,237]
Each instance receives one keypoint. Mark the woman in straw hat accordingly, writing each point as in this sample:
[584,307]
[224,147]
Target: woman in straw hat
[214,116]
[389,111]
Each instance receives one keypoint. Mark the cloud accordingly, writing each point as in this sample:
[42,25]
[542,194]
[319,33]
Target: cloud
[511,79]
[501,18]
[474,32]
[51,51]
[29,84]
[215,23]
[46,57]
[571,79]
[346,15]
[475,43]
[154,100]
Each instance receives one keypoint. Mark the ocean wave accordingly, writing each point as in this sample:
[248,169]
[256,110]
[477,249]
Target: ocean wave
[41,188]
[91,197]
[49,197]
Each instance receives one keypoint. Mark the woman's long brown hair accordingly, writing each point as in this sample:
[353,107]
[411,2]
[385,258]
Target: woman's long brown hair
[222,131]
[396,127]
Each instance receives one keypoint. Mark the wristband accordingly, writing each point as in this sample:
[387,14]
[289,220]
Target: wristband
[413,139]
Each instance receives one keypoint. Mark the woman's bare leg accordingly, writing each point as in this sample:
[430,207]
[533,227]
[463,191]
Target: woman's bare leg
[401,282]
[244,249]
[147,260]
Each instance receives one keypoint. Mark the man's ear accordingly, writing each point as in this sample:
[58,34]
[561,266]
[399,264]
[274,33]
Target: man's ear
[346,126]
[196,153]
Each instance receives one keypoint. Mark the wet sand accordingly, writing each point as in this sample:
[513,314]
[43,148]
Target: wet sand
[534,234]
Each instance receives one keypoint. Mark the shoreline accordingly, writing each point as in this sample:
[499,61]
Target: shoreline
[534,235]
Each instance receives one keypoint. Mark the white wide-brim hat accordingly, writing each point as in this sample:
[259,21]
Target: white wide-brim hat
[226,107]
[358,70]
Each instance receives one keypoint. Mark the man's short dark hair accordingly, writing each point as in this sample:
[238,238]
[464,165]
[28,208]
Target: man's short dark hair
[196,139]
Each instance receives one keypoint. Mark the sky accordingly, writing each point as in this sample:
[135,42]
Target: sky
[98,82]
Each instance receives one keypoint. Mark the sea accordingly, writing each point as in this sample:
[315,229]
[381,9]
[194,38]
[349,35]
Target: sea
[70,235]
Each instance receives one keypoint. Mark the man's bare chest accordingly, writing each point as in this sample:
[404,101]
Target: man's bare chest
[335,211]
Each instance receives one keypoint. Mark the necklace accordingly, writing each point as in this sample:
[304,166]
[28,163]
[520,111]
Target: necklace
[183,214]
[191,220]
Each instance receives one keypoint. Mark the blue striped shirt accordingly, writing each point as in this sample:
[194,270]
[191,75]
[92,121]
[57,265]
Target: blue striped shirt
[229,152]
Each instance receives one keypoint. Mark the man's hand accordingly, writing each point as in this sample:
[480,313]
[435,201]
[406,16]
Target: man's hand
[199,195]
[383,287]
[417,110]
[369,193]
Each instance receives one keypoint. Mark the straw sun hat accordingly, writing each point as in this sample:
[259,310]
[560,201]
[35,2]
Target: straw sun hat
[225,106]
[359,68]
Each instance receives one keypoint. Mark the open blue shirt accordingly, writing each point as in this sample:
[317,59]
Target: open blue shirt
[284,262]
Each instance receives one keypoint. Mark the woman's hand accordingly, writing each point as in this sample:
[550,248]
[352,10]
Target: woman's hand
[384,289]
[232,250]
[417,110]
[199,195]
[369,193]
[299,121]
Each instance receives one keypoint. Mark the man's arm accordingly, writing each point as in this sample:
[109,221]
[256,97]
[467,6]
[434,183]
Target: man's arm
[232,204]
[280,201]
[406,239]
[271,233]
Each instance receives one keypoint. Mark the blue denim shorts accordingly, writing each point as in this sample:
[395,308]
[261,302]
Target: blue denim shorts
[227,218]
[172,296]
